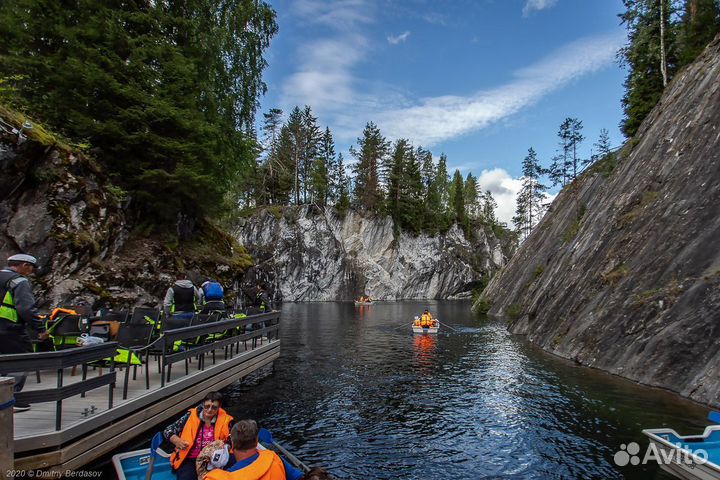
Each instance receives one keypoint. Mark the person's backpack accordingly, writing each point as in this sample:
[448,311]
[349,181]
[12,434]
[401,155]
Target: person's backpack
[213,291]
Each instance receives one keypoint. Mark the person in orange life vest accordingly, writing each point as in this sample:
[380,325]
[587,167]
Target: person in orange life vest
[426,321]
[251,463]
[200,426]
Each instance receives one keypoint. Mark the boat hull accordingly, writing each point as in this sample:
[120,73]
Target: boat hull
[678,450]
[421,330]
[363,303]
[134,465]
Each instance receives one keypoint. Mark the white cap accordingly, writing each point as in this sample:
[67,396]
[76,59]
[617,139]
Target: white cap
[21,257]
[219,458]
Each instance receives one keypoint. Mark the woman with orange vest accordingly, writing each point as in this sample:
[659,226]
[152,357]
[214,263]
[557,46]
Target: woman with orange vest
[426,321]
[251,463]
[198,427]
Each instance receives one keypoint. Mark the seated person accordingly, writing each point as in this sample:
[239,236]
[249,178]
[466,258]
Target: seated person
[213,296]
[251,462]
[426,321]
[199,427]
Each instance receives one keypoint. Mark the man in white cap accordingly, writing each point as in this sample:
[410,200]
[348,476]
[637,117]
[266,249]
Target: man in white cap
[18,313]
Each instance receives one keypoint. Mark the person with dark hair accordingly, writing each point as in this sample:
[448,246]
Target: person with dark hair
[261,300]
[251,462]
[317,473]
[199,427]
[182,298]
[18,313]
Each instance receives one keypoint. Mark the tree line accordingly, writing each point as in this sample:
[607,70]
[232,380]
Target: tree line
[563,169]
[299,165]
[164,92]
[663,36]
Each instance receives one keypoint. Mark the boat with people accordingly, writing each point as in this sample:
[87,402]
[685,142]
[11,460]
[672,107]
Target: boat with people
[154,462]
[364,300]
[689,457]
[426,323]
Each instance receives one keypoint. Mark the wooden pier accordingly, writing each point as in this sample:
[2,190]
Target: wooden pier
[80,412]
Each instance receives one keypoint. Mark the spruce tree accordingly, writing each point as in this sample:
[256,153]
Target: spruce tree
[370,154]
[457,199]
[602,146]
[397,160]
[489,207]
[165,94]
[472,206]
[411,194]
[529,199]
[700,23]
[650,57]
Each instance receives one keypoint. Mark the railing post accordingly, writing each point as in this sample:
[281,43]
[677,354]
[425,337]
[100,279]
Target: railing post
[7,445]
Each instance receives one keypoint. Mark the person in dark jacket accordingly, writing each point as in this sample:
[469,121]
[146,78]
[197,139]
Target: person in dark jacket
[18,314]
[182,298]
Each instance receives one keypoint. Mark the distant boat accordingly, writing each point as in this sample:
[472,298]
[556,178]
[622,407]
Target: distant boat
[368,302]
[690,457]
[433,329]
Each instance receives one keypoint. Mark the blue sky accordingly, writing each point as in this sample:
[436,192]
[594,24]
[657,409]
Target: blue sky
[479,80]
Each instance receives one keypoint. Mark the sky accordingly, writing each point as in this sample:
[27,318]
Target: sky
[479,80]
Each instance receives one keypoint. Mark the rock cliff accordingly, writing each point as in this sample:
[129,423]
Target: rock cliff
[623,273]
[56,204]
[311,254]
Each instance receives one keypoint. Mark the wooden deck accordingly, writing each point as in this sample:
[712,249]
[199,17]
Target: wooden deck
[89,429]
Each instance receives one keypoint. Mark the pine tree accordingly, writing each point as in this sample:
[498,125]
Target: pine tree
[370,154]
[397,159]
[294,149]
[310,144]
[343,201]
[700,23]
[319,182]
[489,207]
[529,199]
[326,151]
[457,199]
[650,57]
[566,164]
[165,94]
[472,207]
[411,194]
[602,146]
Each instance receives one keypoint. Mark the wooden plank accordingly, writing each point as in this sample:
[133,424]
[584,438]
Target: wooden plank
[88,449]
[50,439]
[6,426]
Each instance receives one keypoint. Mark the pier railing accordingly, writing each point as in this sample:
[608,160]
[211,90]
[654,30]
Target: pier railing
[59,361]
[184,344]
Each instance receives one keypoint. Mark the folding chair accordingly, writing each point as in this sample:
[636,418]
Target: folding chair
[135,340]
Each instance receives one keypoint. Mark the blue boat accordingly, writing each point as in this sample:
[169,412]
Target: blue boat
[154,463]
[690,457]
[135,465]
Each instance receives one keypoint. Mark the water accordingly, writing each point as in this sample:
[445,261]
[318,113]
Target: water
[353,393]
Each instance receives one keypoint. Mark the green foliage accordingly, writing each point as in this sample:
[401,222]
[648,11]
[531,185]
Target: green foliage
[574,227]
[370,154]
[513,311]
[164,93]
[482,306]
[539,270]
[616,274]
[699,24]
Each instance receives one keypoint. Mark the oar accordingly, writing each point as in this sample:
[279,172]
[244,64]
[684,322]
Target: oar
[266,437]
[154,444]
[714,417]
[446,325]
[404,325]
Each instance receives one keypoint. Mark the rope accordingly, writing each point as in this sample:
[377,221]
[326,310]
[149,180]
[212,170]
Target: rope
[7,404]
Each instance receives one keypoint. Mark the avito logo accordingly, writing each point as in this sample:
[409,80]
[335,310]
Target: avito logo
[628,454]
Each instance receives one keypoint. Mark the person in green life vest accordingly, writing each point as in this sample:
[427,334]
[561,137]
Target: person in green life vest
[18,313]
[182,298]
[261,301]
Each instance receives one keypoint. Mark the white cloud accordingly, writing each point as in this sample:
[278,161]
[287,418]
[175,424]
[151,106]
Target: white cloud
[432,120]
[398,39]
[537,5]
[504,189]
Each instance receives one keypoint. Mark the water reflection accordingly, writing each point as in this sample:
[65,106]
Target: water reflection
[355,391]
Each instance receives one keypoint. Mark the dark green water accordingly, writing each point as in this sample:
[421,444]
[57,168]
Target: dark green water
[353,393]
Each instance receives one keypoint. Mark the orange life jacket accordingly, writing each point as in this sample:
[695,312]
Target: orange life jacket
[268,466]
[426,320]
[59,311]
[190,431]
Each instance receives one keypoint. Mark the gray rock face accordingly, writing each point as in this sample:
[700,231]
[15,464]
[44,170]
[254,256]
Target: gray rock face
[623,274]
[310,255]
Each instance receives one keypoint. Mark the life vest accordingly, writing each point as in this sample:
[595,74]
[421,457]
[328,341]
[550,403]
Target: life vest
[190,431]
[7,309]
[183,299]
[213,291]
[426,320]
[259,302]
[268,466]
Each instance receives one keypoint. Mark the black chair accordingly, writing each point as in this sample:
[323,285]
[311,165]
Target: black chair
[142,315]
[115,316]
[135,339]
[65,329]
